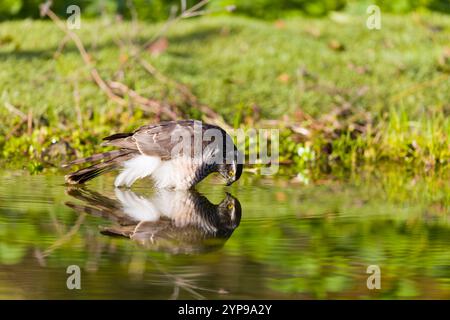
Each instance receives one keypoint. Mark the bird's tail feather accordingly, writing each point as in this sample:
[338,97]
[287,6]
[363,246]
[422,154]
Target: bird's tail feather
[97,157]
[118,136]
[86,174]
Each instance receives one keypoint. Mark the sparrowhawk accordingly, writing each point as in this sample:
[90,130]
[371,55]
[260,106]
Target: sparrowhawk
[172,221]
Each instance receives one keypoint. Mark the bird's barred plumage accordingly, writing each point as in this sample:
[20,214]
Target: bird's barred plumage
[97,157]
[174,153]
[175,221]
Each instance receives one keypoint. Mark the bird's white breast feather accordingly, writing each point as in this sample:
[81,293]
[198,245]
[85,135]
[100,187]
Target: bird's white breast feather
[137,168]
[175,173]
[136,207]
[171,203]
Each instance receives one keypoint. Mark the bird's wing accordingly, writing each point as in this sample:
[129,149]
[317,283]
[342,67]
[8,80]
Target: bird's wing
[165,139]
[97,204]
[161,139]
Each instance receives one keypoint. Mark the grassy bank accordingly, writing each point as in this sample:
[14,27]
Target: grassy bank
[341,94]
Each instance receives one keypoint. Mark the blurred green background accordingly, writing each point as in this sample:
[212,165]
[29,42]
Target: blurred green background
[348,94]
[159,9]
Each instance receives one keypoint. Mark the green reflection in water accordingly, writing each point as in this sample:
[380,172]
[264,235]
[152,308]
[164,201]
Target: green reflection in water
[293,241]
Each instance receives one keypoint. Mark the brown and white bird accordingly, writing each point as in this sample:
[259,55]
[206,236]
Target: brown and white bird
[175,154]
[175,221]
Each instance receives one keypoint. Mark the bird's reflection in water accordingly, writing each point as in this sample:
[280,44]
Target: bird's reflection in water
[172,221]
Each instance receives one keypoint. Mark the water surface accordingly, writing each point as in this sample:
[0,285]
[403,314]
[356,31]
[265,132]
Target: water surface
[261,238]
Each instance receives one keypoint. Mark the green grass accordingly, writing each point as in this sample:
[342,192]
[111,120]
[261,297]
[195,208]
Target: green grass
[247,70]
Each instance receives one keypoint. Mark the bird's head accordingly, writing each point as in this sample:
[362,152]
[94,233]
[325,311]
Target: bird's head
[231,171]
[229,212]
[231,164]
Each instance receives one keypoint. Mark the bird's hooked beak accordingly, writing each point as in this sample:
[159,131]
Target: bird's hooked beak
[228,176]
[231,173]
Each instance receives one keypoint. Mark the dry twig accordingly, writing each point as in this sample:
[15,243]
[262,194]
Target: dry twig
[16,111]
[195,10]
[156,107]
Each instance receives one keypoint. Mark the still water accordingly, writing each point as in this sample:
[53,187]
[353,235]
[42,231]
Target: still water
[262,238]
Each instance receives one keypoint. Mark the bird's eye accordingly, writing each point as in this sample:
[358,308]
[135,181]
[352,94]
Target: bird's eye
[230,206]
[231,173]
